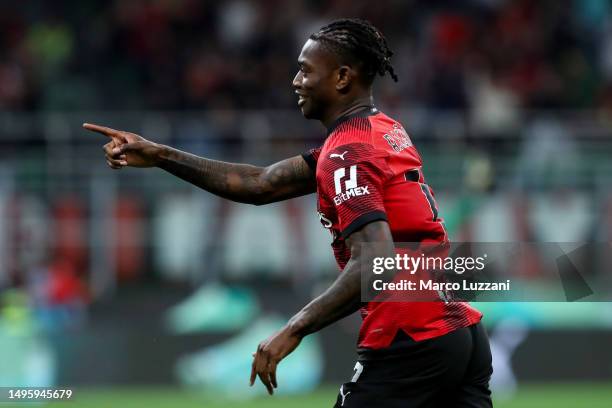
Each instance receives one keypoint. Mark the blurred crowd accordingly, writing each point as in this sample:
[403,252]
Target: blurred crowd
[493,57]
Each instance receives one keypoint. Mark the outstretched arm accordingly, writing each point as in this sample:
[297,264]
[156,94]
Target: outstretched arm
[242,182]
[237,182]
[342,298]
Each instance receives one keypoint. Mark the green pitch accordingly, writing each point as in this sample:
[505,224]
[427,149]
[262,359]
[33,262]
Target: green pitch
[532,396]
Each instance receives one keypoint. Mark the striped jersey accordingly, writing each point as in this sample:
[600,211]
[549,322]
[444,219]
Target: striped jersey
[368,170]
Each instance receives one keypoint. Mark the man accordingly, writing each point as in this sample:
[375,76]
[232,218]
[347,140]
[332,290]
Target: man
[371,190]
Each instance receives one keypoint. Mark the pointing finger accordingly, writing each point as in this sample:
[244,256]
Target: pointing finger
[101,129]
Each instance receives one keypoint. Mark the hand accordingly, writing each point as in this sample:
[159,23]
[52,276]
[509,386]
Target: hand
[269,353]
[127,149]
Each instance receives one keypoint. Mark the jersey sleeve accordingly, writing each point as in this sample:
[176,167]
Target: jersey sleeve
[354,177]
[312,156]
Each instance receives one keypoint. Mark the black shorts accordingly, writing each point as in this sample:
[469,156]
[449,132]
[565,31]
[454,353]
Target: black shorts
[450,371]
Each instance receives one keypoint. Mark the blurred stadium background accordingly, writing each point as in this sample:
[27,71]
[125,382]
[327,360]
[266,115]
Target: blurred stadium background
[121,284]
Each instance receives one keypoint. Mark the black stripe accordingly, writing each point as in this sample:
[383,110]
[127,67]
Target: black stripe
[362,220]
[310,160]
[432,203]
[360,114]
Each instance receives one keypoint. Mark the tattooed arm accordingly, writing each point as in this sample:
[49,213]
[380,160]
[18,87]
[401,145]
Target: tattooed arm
[237,182]
[342,298]
[242,182]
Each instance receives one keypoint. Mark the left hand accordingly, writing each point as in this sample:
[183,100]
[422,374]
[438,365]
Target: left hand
[269,353]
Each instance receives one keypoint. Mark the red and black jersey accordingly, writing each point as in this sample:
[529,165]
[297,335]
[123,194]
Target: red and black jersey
[369,170]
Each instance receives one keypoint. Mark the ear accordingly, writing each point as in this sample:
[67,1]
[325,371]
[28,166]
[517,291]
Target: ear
[346,75]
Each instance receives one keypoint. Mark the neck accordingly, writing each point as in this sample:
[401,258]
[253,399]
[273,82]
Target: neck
[355,105]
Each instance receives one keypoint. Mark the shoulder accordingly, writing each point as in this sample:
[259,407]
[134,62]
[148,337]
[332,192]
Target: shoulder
[389,134]
[373,128]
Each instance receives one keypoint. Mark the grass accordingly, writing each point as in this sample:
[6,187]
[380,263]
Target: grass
[529,396]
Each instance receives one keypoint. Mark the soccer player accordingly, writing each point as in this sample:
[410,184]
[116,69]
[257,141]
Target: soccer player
[371,188]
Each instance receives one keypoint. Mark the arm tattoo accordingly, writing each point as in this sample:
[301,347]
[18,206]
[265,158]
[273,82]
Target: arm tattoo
[343,297]
[242,182]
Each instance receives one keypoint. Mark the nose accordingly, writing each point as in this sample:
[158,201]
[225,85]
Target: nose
[297,80]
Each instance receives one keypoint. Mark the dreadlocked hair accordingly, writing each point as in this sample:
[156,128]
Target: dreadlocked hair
[359,41]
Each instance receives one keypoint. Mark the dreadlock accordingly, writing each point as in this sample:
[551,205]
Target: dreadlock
[359,41]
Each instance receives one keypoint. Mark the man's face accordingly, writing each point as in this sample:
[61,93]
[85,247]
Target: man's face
[315,81]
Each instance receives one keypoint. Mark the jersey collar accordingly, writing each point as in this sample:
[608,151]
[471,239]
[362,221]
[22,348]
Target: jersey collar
[363,113]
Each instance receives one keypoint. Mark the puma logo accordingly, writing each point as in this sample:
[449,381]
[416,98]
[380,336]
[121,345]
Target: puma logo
[331,156]
[343,395]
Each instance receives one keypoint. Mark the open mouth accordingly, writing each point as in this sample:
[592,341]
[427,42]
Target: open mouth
[301,98]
